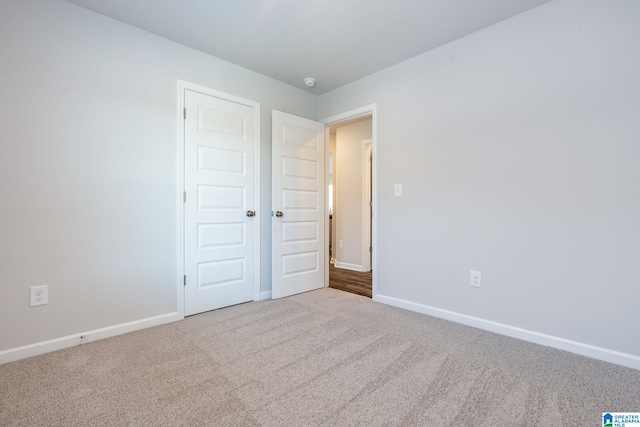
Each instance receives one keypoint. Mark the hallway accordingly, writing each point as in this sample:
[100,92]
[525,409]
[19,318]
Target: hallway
[350,281]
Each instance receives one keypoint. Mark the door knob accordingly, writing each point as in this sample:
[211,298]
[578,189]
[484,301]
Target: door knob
[279,214]
[251,213]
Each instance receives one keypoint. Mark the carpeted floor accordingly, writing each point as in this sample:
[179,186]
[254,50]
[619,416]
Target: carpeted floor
[321,358]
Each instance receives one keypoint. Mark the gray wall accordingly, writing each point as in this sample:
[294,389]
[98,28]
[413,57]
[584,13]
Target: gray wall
[88,166]
[519,149]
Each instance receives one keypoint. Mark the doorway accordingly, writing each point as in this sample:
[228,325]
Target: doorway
[351,182]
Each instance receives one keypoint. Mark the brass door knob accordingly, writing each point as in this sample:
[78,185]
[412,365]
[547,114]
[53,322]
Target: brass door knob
[279,214]
[251,214]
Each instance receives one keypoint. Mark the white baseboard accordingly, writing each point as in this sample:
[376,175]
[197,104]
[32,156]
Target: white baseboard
[600,353]
[347,266]
[36,349]
[264,295]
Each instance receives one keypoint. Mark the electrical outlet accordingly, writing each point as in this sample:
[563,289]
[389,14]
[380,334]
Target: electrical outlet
[341,243]
[475,279]
[38,295]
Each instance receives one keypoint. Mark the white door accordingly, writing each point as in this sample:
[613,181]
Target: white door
[298,248]
[220,140]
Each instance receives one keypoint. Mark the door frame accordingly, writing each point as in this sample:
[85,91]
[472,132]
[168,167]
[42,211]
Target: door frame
[180,159]
[367,193]
[367,110]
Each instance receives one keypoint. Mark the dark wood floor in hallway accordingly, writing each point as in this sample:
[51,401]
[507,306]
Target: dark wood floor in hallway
[355,282]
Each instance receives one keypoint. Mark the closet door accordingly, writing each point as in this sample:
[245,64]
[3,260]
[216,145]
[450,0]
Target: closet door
[220,208]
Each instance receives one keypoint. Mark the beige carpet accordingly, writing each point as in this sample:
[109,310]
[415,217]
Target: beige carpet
[320,358]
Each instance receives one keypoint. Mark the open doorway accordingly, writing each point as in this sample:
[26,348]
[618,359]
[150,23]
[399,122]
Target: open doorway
[350,193]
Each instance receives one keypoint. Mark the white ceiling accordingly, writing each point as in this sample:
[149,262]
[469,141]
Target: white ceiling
[334,41]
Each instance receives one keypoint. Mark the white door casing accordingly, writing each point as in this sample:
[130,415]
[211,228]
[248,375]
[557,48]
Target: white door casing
[367,207]
[221,141]
[298,198]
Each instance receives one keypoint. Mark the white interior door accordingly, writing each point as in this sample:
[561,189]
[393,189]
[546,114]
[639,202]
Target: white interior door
[220,140]
[298,197]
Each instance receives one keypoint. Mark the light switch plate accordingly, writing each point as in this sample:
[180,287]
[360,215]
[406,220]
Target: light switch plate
[397,190]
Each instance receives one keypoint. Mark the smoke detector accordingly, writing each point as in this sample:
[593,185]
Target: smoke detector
[309,82]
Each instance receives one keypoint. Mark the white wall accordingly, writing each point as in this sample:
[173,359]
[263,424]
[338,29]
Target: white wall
[88,173]
[348,218]
[519,150]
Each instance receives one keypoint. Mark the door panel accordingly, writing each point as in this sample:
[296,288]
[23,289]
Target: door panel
[220,146]
[298,193]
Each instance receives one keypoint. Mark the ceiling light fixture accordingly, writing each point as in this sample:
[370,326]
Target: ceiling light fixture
[309,82]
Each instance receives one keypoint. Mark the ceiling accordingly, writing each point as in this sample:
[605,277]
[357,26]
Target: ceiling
[334,41]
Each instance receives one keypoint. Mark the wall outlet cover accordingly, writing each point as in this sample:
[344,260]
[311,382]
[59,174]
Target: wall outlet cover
[475,279]
[38,295]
